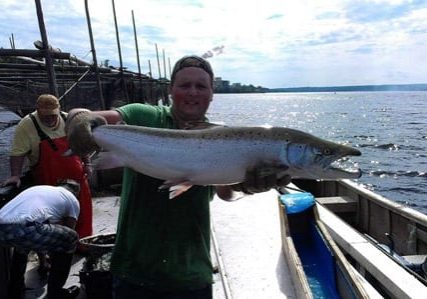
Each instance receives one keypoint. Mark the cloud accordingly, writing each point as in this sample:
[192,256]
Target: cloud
[276,44]
[369,11]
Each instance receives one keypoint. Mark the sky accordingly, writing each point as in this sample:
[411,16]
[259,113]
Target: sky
[269,43]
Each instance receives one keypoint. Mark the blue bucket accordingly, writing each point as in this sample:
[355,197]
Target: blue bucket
[297,202]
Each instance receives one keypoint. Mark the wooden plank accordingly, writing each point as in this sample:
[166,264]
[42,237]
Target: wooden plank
[398,282]
[32,53]
[422,235]
[338,204]
[299,278]
[370,290]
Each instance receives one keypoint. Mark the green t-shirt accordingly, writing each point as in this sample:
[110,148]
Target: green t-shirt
[162,244]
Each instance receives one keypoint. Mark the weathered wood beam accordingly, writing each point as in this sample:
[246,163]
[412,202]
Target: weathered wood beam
[33,53]
[20,66]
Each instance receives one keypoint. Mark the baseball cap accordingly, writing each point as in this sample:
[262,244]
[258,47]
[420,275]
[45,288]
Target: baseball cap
[192,61]
[48,104]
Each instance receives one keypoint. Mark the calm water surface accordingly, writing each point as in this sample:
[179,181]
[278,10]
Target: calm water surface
[390,129]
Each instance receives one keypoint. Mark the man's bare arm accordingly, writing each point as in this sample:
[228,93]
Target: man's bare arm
[16,164]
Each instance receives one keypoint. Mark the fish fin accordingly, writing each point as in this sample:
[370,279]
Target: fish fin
[176,188]
[279,170]
[200,125]
[236,195]
[107,160]
[121,122]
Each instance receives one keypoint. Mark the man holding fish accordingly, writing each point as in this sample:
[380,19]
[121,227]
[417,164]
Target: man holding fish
[163,246]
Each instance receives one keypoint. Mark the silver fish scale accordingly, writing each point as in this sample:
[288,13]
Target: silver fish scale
[219,155]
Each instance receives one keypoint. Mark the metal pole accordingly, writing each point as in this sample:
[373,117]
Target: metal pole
[53,88]
[95,61]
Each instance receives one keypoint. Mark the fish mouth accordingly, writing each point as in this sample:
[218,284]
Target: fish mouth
[344,173]
[344,168]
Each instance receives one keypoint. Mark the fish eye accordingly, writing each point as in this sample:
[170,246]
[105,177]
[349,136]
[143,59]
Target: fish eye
[327,151]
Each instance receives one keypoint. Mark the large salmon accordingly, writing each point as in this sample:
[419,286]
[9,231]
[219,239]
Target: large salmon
[219,155]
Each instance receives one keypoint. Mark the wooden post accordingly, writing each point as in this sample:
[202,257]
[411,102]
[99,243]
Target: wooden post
[158,62]
[117,37]
[164,64]
[120,51]
[137,57]
[53,88]
[149,68]
[136,44]
[170,71]
[12,42]
[95,61]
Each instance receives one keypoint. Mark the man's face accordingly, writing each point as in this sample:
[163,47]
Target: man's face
[49,120]
[191,93]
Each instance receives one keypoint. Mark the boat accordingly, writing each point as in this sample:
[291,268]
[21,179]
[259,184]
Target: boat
[248,251]
[385,241]
[318,267]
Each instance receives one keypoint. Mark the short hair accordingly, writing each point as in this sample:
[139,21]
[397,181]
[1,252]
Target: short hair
[48,104]
[71,185]
[192,61]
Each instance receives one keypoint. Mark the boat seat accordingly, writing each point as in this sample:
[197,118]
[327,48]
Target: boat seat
[338,204]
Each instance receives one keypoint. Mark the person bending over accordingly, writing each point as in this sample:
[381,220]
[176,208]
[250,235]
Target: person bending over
[42,218]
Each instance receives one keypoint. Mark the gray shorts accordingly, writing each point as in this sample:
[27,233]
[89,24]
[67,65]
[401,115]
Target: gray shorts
[39,237]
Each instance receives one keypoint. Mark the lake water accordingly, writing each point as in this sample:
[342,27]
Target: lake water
[389,128]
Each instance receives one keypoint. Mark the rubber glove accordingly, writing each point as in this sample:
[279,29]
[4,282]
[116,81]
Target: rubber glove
[263,178]
[78,127]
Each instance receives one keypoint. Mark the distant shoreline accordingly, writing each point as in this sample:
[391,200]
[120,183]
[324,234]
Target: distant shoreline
[384,87]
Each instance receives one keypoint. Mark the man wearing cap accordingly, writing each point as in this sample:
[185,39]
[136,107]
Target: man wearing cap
[40,137]
[162,247]
[42,218]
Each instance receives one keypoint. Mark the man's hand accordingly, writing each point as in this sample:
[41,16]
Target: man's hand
[13,180]
[263,178]
[78,127]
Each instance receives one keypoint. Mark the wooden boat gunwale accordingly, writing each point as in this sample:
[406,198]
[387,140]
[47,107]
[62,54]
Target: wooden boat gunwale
[375,215]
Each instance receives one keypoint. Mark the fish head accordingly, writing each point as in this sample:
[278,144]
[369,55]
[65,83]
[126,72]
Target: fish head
[315,158]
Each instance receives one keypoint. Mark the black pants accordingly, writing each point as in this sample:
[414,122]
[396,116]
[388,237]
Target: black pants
[5,264]
[58,275]
[16,287]
[59,271]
